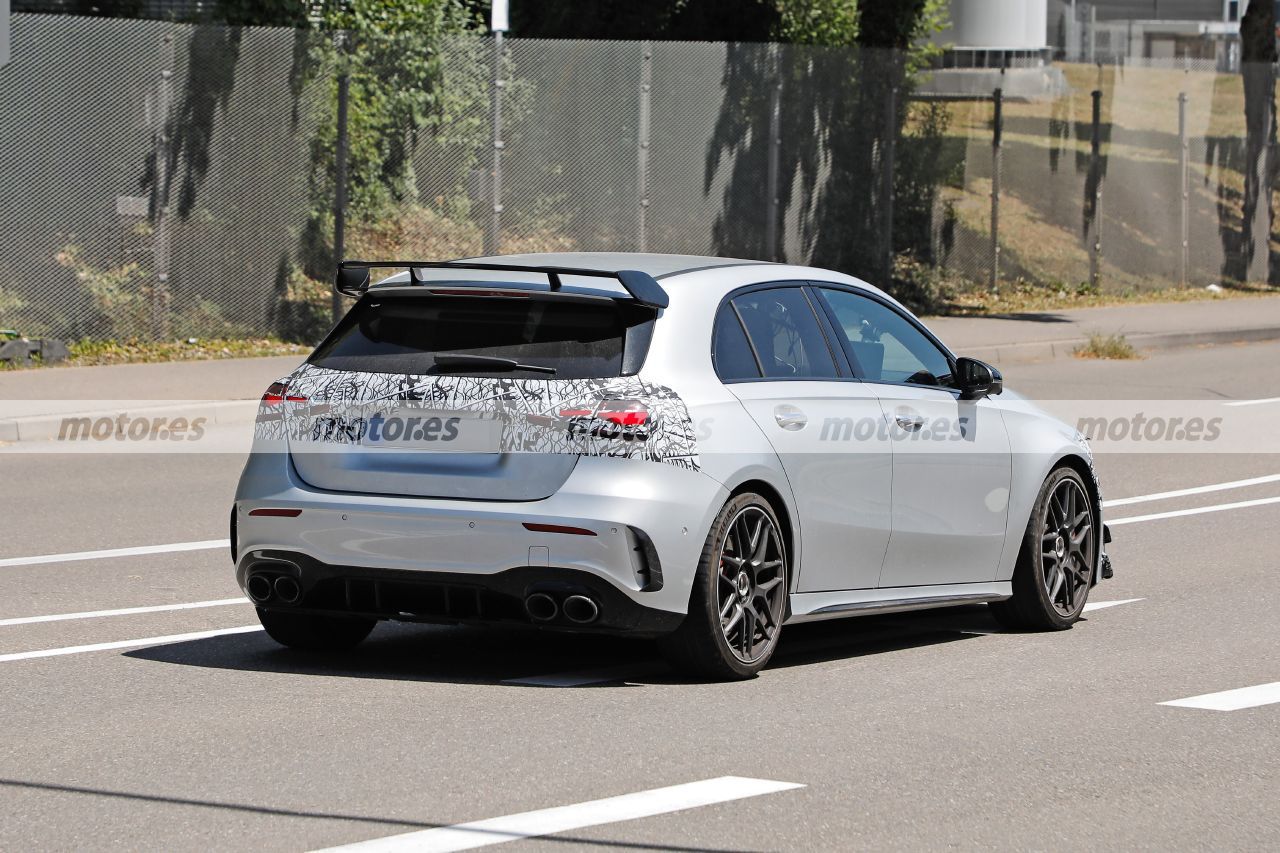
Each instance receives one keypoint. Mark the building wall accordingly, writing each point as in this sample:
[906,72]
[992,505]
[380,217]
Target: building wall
[999,24]
[1161,10]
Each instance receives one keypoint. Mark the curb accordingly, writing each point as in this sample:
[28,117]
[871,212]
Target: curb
[47,427]
[1029,353]
[223,412]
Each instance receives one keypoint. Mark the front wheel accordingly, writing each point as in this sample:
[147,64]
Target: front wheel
[1059,553]
[739,595]
[315,632]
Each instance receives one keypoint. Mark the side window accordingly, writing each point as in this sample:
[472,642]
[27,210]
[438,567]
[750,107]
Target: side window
[884,346]
[785,334]
[730,351]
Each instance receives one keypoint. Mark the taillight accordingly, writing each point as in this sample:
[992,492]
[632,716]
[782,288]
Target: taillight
[278,392]
[576,412]
[624,412]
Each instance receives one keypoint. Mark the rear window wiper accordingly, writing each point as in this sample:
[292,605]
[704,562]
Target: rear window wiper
[487,362]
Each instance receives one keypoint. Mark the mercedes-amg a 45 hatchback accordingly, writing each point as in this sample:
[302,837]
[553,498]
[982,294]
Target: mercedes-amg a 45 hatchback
[698,450]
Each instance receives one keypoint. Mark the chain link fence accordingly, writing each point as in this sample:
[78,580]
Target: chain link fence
[164,180]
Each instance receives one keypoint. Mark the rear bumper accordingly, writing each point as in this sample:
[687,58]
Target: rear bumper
[447,597]
[645,524]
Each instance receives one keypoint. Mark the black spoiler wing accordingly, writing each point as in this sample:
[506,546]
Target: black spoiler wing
[353,277]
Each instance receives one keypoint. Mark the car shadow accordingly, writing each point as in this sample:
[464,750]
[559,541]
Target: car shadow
[526,657]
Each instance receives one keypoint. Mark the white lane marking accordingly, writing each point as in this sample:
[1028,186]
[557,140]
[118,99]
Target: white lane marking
[1133,519]
[498,830]
[1092,605]
[1253,402]
[1101,605]
[126,644]
[123,611]
[578,678]
[1194,490]
[204,545]
[1232,700]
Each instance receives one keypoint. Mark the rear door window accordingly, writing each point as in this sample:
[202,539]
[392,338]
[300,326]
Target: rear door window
[785,334]
[404,334]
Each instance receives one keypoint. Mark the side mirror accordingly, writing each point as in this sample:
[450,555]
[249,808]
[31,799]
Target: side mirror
[352,280]
[977,379]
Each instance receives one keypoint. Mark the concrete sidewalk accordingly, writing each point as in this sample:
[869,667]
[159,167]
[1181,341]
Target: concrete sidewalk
[1029,337]
[33,402]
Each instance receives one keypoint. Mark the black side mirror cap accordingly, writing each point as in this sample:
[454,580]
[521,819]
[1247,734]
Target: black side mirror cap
[977,379]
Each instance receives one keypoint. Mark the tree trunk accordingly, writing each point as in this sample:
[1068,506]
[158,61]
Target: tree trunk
[1258,52]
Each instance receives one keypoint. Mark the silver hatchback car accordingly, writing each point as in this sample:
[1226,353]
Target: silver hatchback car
[694,449]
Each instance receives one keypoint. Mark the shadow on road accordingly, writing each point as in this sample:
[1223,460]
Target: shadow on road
[270,811]
[497,655]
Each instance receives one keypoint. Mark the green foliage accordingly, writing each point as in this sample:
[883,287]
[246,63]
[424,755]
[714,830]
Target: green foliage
[394,52]
[126,301]
[923,287]
[828,22]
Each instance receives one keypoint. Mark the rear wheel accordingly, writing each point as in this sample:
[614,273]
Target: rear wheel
[315,632]
[739,595]
[1055,566]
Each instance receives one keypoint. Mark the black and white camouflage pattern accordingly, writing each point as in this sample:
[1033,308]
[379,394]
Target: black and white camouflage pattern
[529,409]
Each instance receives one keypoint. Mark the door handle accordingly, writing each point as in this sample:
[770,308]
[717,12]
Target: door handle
[908,419]
[789,417]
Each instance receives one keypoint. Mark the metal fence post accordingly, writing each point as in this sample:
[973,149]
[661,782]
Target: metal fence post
[997,134]
[886,182]
[1183,190]
[493,236]
[642,146]
[161,239]
[340,179]
[1095,170]
[773,172]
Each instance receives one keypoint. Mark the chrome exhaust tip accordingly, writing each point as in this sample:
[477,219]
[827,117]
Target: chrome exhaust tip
[541,607]
[259,588]
[581,609]
[288,590]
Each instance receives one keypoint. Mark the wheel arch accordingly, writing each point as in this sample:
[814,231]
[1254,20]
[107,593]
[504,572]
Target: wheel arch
[778,503]
[1082,466]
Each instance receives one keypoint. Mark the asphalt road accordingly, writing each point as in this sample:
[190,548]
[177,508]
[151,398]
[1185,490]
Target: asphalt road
[906,732]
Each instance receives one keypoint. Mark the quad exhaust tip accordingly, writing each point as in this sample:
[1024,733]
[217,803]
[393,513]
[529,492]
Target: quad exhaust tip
[288,590]
[541,607]
[581,609]
[259,588]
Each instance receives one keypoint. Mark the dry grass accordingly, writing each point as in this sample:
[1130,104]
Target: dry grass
[95,353]
[1140,116]
[1106,346]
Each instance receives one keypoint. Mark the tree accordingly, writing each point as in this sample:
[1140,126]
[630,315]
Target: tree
[845,77]
[1258,52]
[393,52]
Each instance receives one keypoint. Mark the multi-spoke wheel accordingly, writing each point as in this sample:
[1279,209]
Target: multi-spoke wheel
[739,595]
[1059,554]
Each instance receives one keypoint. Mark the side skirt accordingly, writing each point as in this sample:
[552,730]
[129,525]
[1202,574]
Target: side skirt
[816,606]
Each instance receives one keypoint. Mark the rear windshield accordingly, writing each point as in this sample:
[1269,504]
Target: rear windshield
[581,340]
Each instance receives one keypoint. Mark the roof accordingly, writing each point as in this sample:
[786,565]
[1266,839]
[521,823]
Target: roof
[656,265]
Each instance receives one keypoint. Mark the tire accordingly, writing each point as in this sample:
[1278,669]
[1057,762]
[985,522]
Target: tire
[313,632]
[750,590]
[1059,555]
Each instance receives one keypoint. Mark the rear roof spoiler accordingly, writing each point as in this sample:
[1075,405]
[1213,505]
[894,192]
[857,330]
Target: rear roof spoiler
[353,277]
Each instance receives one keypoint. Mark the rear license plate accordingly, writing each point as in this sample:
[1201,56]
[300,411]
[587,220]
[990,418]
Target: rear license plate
[433,430]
